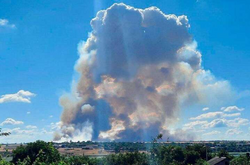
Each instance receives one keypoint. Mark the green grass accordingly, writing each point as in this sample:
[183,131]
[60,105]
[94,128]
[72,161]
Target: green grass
[237,153]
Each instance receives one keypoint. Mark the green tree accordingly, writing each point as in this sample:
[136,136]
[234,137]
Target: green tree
[224,153]
[240,160]
[191,157]
[4,133]
[134,158]
[38,151]
[79,160]
[3,162]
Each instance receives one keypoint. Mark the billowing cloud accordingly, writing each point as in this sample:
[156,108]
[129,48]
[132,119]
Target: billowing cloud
[136,69]
[116,128]
[75,133]
[231,109]
[5,23]
[10,121]
[20,96]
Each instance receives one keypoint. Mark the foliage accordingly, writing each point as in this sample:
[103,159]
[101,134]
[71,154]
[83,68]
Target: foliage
[4,133]
[224,153]
[135,158]
[192,154]
[240,160]
[79,160]
[42,153]
[33,153]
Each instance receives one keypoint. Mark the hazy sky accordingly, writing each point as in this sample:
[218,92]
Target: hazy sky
[38,51]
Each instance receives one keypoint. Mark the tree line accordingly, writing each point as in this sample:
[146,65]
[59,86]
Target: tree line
[44,153]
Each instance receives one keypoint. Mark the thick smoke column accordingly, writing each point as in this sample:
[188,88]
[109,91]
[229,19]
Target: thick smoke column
[136,68]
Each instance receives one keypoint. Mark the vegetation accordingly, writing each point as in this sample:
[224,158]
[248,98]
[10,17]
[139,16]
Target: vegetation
[214,146]
[43,153]
[4,133]
[38,151]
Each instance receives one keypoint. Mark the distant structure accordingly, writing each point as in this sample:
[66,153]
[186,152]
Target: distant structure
[218,161]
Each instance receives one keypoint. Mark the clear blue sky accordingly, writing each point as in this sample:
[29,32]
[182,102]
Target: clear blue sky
[38,50]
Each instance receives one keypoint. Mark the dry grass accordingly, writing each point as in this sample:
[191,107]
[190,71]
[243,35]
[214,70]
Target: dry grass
[80,152]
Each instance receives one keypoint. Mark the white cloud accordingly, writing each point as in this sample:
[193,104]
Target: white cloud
[26,135]
[237,122]
[10,121]
[192,124]
[51,116]
[44,131]
[55,126]
[212,133]
[216,123]
[29,132]
[214,115]
[205,109]
[5,23]
[20,96]
[232,115]
[28,113]
[233,132]
[231,109]
[31,127]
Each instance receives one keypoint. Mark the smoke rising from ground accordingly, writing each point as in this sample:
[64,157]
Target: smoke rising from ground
[137,68]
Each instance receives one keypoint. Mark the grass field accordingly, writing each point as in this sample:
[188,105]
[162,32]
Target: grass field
[237,153]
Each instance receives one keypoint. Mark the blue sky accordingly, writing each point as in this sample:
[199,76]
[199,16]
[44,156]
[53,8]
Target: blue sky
[38,51]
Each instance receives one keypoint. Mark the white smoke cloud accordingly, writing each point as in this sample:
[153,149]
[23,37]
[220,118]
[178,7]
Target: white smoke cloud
[72,132]
[20,96]
[137,68]
[116,128]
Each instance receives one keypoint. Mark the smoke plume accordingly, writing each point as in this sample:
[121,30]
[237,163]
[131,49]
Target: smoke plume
[137,67]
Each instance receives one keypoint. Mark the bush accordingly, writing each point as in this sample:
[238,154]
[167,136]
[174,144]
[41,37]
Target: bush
[38,151]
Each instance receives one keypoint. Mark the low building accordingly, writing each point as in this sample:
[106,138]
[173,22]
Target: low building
[218,161]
